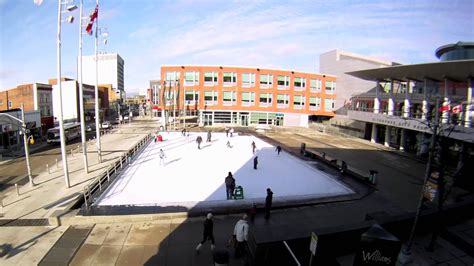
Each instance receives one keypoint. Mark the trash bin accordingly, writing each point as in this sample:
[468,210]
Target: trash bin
[303,148]
[220,257]
[239,192]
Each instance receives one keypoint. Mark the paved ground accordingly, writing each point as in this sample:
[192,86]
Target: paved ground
[171,240]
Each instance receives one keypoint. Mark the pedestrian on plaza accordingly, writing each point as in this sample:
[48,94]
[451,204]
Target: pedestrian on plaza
[241,231]
[230,185]
[162,157]
[183,132]
[268,203]
[231,131]
[255,162]
[343,168]
[254,147]
[278,149]
[208,136]
[207,233]
[228,144]
[199,140]
[226,131]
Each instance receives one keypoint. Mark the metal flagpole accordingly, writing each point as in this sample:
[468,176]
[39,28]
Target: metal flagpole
[27,151]
[97,114]
[81,95]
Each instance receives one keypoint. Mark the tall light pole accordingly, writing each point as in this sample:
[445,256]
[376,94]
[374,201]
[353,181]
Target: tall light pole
[27,151]
[58,64]
[81,95]
[97,115]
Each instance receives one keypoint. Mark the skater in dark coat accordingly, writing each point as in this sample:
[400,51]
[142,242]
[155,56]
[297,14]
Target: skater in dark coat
[255,162]
[208,233]
[254,146]
[199,140]
[229,185]
[278,149]
[268,203]
[209,136]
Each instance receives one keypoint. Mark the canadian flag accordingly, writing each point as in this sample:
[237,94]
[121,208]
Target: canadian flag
[445,108]
[457,109]
[92,18]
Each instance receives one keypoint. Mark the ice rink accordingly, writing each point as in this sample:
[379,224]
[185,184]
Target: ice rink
[192,176]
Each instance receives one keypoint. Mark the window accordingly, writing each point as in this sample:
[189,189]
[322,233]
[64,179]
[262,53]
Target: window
[298,101]
[248,80]
[172,77]
[229,78]
[210,97]
[283,100]
[329,105]
[283,82]
[314,103]
[191,78]
[248,98]
[315,85]
[210,78]
[266,81]
[229,97]
[265,99]
[191,97]
[330,87]
[299,83]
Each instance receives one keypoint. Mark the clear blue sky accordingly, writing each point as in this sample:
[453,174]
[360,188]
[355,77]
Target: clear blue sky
[274,34]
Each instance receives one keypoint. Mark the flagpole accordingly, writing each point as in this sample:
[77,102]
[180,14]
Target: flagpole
[97,114]
[81,95]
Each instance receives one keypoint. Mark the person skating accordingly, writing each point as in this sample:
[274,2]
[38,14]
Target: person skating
[255,162]
[226,131]
[241,230]
[278,149]
[209,135]
[207,233]
[183,132]
[231,131]
[199,140]
[268,203]
[229,185]
[162,157]
[254,147]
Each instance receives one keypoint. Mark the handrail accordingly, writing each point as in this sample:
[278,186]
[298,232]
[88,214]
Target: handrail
[101,182]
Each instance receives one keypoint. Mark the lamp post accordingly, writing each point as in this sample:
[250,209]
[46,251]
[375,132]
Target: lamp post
[81,94]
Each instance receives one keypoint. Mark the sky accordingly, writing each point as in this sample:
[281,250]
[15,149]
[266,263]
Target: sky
[267,34]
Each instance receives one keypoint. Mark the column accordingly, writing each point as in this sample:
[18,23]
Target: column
[377,98]
[212,114]
[403,139]
[373,137]
[391,102]
[445,105]
[407,102]
[163,118]
[387,136]
[467,112]
[424,106]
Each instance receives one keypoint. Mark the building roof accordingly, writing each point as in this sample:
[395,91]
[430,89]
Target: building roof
[458,70]
[453,46]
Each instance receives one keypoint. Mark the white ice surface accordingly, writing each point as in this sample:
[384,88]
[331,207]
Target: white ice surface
[191,176]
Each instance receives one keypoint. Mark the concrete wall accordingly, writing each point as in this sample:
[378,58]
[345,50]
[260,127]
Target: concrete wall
[70,100]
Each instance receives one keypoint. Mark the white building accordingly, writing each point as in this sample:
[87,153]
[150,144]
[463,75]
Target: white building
[337,63]
[70,102]
[110,71]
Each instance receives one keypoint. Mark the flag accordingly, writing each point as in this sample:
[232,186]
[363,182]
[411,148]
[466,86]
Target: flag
[457,109]
[92,18]
[444,108]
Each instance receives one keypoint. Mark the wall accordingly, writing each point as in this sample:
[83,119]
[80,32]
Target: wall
[70,101]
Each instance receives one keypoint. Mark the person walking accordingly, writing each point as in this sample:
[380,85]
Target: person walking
[229,185]
[241,231]
[162,157]
[268,203]
[199,140]
[255,162]
[207,233]
[209,135]
[278,149]
[254,147]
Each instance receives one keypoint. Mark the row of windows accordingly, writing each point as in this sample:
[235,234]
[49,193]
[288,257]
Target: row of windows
[229,98]
[248,80]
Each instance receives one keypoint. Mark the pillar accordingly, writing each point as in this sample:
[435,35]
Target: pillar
[407,102]
[377,99]
[403,139]
[391,102]
[163,119]
[387,136]
[467,112]
[373,137]
[446,102]
[424,103]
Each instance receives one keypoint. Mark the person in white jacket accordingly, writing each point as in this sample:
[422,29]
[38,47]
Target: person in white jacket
[241,231]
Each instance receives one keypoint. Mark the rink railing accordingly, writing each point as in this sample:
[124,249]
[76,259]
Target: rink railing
[100,183]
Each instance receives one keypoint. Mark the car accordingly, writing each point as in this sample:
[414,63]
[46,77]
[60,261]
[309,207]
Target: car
[89,128]
[106,125]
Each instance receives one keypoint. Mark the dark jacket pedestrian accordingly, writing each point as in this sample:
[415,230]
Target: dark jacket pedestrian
[255,162]
[207,233]
[254,146]
[268,203]
[209,135]
[199,140]
[229,185]
[278,149]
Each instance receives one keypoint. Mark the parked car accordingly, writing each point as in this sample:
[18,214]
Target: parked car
[106,125]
